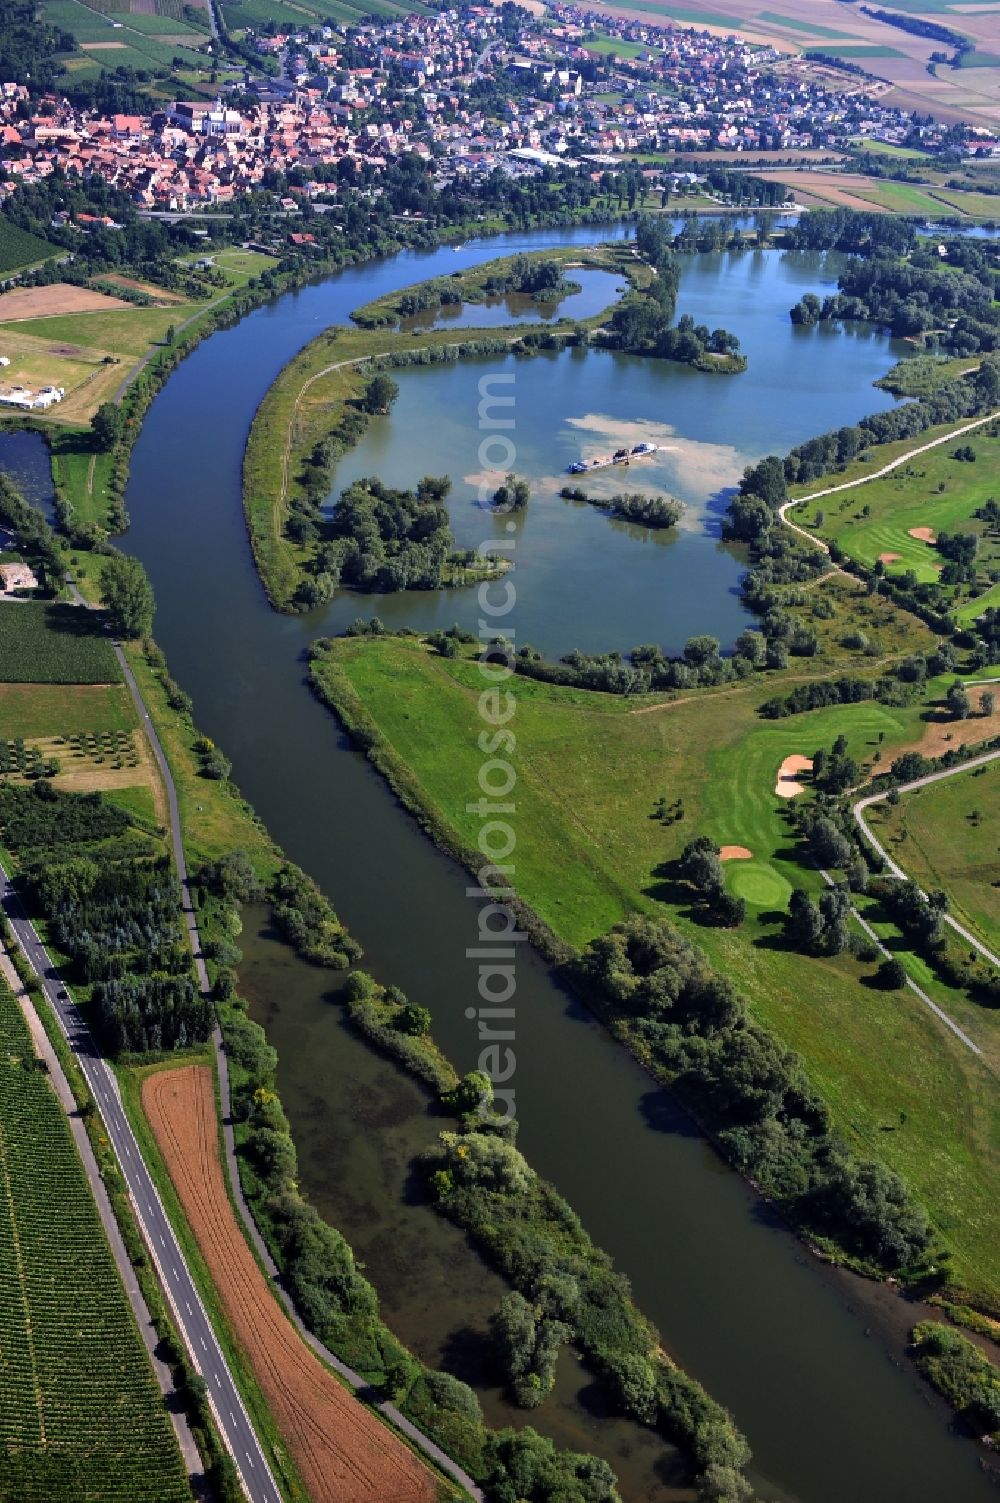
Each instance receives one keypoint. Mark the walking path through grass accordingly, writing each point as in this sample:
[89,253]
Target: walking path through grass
[286,453]
[894,464]
[897,871]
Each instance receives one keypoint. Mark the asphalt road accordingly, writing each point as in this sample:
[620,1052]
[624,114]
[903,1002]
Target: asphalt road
[389,1410]
[189,1312]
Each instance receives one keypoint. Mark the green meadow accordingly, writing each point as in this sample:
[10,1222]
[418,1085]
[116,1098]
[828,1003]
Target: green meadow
[129,332]
[590,770]
[945,836]
[934,490]
[614,46]
[37,711]
[796,25]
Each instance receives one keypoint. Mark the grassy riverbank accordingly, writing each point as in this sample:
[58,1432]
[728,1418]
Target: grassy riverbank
[215,822]
[318,395]
[493,281]
[309,402]
[590,850]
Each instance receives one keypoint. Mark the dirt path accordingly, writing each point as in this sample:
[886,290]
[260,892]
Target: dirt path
[286,455]
[345,1455]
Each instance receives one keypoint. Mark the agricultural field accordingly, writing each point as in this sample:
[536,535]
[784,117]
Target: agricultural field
[39,710]
[89,342]
[945,837]
[46,642]
[87,761]
[934,493]
[590,848]
[311,12]
[928,200]
[111,39]
[81,1415]
[895,56]
[19,249]
[344,1453]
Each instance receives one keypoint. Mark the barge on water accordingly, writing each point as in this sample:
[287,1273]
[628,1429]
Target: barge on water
[620,456]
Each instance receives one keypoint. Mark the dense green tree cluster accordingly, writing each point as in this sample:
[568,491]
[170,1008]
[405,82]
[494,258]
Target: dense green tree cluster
[643,323]
[820,928]
[541,279]
[527,1341]
[900,685]
[305,918]
[661,993]
[28,45]
[33,533]
[631,506]
[481,1181]
[513,494]
[386,539]
[912,292]
[380,393]
[921,26]
[438,293]
[920,915]
[861,232]
[40,819]
[700,866]
[834,771]
[128,596]
[965,1375]
[115,913]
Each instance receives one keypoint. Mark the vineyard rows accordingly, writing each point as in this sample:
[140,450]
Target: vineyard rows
[82,1419]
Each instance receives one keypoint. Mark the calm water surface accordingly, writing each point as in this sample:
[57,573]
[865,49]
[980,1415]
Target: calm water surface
[807,1362]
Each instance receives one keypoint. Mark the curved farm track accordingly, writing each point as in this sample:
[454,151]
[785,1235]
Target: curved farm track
[343,1453]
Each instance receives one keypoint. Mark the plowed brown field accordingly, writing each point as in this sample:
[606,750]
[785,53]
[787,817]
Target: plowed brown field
[343,1453]
[55,299]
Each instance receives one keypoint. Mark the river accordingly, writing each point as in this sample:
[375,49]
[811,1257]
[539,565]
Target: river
[808,1361]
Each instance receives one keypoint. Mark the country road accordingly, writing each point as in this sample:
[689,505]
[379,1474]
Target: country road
[112,1231]
[390,1412]
[858,811]
[185,1302]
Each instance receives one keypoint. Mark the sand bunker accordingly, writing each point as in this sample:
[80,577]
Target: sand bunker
[735,853]
[889,558]
[788,785]
[923,534]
